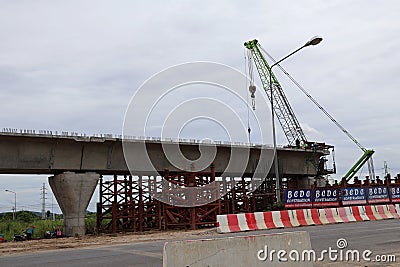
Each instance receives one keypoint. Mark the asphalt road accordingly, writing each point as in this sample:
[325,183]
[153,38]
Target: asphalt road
[381,237]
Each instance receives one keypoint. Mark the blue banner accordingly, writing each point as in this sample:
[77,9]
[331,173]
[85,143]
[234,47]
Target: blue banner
[395,194]
[325,197]
[378,194]
[354,196]
[298,198]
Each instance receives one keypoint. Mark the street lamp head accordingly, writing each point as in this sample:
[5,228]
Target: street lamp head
[314,41]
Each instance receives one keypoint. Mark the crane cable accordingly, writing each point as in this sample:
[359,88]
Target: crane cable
[370,161]
[315,101]
[247,95]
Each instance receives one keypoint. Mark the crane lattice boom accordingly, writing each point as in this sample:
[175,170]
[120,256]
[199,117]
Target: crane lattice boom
[283,111]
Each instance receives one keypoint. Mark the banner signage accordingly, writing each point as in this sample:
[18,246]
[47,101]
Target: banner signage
[354,196]
[395,194]
[378,194]
[298,198]
[325,197]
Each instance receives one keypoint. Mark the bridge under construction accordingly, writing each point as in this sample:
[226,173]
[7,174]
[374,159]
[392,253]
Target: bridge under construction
[148,191]
[130,201]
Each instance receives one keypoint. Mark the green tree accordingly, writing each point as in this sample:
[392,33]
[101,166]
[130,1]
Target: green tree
[27,216]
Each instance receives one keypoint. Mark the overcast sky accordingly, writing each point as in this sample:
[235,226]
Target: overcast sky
[74,65]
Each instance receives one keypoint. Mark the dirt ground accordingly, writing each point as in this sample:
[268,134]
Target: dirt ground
[12,248]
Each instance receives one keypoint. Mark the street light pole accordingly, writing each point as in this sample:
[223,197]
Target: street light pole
[15,204]
[313,41]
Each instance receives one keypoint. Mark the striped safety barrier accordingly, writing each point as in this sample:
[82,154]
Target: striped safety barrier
[376,214]
[332,215]
[346,214]
[397,209]
[369,213]
[315,217]
[304,217]
[384,211]
[359,213]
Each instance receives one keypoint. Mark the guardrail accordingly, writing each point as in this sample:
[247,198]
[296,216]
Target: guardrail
[50,133]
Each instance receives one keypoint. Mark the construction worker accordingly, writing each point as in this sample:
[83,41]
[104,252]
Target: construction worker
[29,232]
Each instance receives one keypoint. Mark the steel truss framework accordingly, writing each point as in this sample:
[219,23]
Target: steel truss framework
[128,203]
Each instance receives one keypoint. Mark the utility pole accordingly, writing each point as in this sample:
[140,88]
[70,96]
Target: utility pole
[52,207]
[15,204]
[43,194]
[385,167]
[314,41]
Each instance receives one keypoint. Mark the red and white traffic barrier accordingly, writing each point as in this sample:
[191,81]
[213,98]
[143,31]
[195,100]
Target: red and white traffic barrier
[315,216]
[322,217]
[293,218]
[359,213]
[332,215]
[303,217]
[384,212]
[260,222]
[251,221]
[397,207]
[393,211]
[286,218]
[267,218]
[376,214]
[276,218]
[223,224]
[370,213]
[346,214]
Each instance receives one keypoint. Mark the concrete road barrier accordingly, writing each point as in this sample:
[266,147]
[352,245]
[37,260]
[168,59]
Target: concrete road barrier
[315,216]
[304,217]
[393,211]
[359,213]
[276,218]
[229,223]
[237,251]
[269,220]
[376,213]
[260,222]
[322,216]
[333,215]
[293,218]
[287,219]
[346,214]
[369,212]
[384,211]
[308,217]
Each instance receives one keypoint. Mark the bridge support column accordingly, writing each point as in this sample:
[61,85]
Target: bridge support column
[73,192]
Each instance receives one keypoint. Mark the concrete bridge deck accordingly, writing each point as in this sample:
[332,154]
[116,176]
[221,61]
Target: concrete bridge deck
[22,153]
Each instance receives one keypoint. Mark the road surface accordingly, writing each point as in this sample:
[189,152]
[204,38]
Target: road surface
[381,237]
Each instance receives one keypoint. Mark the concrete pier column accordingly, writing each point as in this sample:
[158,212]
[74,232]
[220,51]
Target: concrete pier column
[73,192]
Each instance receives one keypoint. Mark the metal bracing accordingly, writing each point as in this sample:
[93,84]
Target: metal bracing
[128,204]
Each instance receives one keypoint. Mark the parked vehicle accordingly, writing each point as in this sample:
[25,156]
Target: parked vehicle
[19,237]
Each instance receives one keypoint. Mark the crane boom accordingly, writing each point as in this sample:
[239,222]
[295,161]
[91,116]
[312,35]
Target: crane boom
[356,167]
[283,111]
